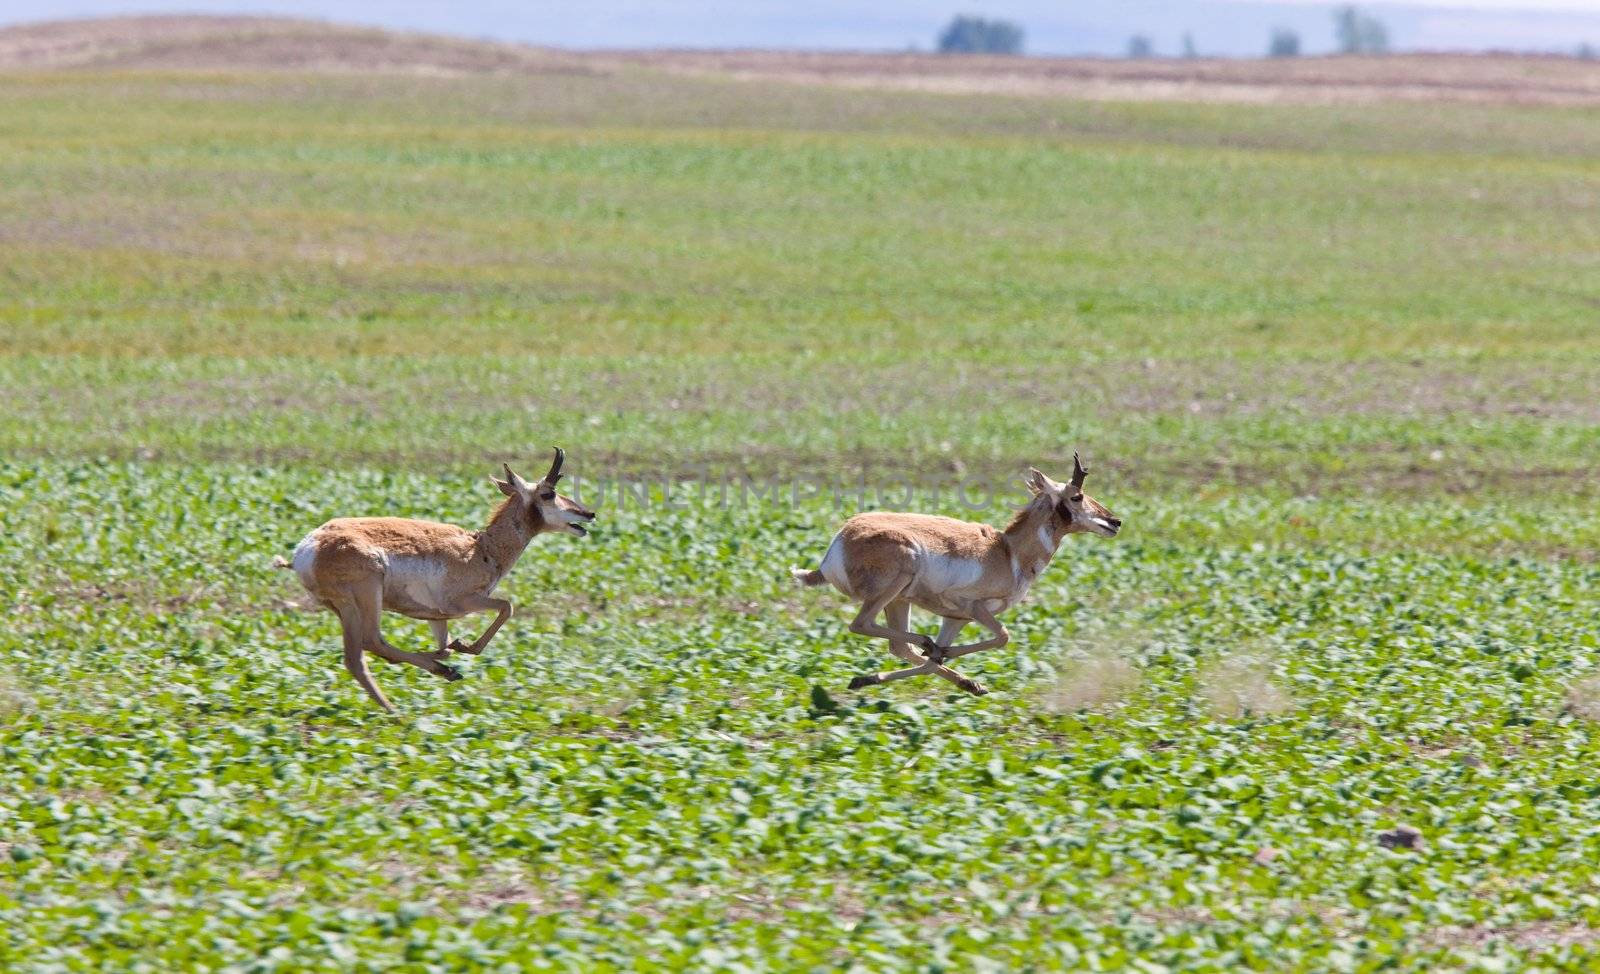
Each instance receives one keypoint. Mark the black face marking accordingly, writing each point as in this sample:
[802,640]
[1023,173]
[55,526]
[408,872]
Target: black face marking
[1063,511]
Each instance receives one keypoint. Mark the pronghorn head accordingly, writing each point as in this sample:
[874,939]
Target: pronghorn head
[1074,510]
[546,510]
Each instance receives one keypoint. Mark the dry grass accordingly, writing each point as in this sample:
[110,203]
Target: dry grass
[1486,78]
[1242,685]
[244,43]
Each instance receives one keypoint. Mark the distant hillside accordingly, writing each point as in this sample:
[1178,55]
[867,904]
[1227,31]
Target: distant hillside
[1217,28]
[253,43]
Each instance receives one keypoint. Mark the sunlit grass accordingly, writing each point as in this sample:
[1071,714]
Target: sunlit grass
[1335,367]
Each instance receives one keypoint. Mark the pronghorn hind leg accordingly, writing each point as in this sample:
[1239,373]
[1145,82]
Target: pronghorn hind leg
[369,599]
[441,636]
[866,621]
[355,659]
[898,615]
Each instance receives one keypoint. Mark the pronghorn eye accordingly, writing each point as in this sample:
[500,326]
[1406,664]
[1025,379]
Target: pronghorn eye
[548,496]
[1077,498]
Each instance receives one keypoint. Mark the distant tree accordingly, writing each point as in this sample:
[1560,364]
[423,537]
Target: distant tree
[979,35]
[1359,33]
[1140,46]
[1188,45]
[1284,43]
[1586,52]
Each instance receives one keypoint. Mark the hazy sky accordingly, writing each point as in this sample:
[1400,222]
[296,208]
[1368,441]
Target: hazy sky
[1588,5]
[1224,27]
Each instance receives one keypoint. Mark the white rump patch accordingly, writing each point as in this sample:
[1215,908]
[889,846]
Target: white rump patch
[304,561]
[832,567]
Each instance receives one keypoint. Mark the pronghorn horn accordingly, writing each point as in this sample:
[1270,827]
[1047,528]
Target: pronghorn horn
[1079,471]
[555,467]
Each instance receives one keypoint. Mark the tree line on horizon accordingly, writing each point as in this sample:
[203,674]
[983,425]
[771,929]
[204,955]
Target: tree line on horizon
[1355,32]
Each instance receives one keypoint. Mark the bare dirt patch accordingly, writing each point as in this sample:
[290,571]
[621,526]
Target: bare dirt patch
[1535,935]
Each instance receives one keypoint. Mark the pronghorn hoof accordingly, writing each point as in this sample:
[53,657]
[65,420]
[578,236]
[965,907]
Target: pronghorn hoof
[450,673]
[870,680]
[976,689]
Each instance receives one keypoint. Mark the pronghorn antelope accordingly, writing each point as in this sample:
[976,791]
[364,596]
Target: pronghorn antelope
[960,571]
[361,566]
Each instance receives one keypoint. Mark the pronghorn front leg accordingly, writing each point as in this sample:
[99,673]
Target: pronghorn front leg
[483,603]
[986,619]
[898,615]
[949,629]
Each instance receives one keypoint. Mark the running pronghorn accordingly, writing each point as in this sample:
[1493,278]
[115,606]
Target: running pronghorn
[960,571]
[361,566]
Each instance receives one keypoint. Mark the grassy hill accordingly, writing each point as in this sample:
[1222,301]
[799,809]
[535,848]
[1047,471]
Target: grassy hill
[1334,364]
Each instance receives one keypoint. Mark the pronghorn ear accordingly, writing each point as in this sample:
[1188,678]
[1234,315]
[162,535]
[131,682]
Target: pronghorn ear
[1041,483]
[519,487]
[505,488]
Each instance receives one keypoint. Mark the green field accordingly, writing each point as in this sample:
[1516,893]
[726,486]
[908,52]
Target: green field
[1336,368]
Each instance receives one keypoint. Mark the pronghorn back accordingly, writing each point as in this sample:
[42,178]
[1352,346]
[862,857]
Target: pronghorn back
[348,544]
[934,553]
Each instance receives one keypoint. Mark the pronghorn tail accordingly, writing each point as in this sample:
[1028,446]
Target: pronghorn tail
[809,579]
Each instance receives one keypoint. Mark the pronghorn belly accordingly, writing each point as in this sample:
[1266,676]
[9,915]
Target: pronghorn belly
[952,608]
[943,608]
